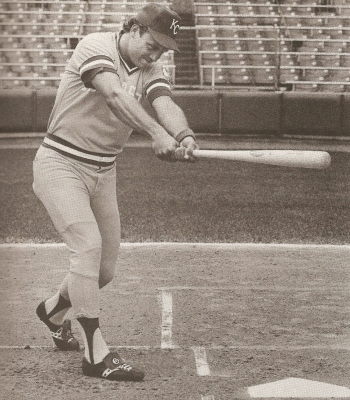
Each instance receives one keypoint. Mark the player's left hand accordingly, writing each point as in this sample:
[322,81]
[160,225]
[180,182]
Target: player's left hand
[185,151]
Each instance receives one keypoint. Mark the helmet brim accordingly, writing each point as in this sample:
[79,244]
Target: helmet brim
[164,40]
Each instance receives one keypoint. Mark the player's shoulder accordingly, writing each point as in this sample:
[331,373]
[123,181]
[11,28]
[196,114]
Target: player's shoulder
[153,67]
[100,39]
[99,36]
[157,70]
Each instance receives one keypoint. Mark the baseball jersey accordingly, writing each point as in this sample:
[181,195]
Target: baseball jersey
[80,116]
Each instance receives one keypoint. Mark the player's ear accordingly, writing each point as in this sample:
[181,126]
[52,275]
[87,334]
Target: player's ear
[135,30]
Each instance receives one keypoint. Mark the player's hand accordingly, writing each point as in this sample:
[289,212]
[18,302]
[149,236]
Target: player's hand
[164,147]
[185,151]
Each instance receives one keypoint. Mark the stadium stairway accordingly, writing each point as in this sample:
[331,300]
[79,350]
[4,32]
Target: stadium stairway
[187,69]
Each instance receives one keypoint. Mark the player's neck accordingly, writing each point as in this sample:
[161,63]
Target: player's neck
[122,48]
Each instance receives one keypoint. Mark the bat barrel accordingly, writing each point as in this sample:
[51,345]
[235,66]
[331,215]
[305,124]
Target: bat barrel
[287,158]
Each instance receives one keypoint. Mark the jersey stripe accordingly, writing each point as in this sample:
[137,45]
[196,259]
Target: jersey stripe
[65,143]
[157,85]
[78,158]
[96,62]
[152,84]
[77,153]
[157,88]
[83,155]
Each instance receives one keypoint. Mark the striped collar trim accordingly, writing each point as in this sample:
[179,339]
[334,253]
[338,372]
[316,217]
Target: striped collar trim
[130,68]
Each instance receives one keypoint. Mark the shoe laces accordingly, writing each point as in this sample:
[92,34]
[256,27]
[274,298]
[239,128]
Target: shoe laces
[121,367]
[121,364]
[125,367]
[63,333]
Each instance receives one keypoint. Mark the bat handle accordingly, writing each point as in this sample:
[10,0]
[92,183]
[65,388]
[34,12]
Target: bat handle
[180,154]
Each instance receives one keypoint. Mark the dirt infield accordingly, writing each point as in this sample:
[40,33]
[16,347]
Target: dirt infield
[204,321]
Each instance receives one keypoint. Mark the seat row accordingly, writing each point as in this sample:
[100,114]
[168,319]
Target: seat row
[336,80]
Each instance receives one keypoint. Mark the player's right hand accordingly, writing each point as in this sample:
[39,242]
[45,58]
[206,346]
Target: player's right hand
[164,147]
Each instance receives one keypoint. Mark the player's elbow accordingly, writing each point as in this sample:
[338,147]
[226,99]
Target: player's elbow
[114,98]
[121,104]
[116,102]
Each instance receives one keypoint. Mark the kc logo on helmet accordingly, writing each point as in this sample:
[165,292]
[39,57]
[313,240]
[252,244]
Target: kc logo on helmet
[175,26]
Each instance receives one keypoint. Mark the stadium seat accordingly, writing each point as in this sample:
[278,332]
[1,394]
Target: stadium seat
[345,60]
[225,9]
[317,75]
[263,76]
[340,75]
[288,75]
[306,87]
[236,59]
[288,60]
[217,76]
[306,59]
[332,88]
[240,76]
[257,35]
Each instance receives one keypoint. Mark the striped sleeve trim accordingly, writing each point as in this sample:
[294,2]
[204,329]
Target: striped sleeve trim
[96,62]
[163,83]
[157,88]
[88,76]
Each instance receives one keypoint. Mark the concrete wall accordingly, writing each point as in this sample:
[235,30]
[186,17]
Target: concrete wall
[315,113]
[248,112]
[230,112]
[17,111]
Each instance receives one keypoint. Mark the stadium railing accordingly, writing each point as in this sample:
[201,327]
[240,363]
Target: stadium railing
[324,25]
[268,62]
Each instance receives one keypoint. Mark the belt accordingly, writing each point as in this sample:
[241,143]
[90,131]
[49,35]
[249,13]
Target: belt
[67,149]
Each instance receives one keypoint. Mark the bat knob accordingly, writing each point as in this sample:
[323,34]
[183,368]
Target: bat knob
[180,153]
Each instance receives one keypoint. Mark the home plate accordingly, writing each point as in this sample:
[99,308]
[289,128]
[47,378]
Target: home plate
[298,388]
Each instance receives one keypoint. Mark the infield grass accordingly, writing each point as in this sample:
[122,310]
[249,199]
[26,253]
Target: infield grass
[209,201]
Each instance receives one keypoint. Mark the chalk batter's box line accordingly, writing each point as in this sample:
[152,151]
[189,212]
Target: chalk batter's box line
[219,245]
[167,324]
[209,347]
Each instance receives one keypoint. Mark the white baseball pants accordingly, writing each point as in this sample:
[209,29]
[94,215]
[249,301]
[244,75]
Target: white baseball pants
[82,203]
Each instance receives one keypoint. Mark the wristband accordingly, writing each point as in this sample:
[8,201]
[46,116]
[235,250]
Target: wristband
[183,134]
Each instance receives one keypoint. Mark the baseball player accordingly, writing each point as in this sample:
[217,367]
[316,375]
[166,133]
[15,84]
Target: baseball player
[97,106]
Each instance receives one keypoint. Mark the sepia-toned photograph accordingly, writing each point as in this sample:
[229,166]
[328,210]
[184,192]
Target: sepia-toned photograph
[175,199]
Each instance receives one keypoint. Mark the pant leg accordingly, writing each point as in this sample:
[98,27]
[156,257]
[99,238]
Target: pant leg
[105,208]
[65,192]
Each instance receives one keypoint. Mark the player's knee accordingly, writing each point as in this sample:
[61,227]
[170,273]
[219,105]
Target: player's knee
[85,245]
[108,268]
[106,277]
[108,262]
[86,262]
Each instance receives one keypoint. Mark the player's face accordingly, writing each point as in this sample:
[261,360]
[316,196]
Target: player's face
[143,49]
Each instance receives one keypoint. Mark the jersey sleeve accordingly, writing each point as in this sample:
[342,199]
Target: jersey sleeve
[157,84]
[92,56]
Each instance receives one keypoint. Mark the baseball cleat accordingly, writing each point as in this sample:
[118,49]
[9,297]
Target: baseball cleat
[61,335]
[113,368]
[64,339]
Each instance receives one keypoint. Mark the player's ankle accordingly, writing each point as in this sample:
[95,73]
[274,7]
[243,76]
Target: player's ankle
[95,347]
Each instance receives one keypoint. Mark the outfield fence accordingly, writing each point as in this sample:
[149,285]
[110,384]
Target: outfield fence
[217,112]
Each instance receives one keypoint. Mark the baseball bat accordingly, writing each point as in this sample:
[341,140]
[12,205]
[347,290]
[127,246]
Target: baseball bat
[285,158]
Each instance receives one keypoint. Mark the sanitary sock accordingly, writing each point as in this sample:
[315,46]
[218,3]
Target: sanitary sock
[95,347]
[56,308]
